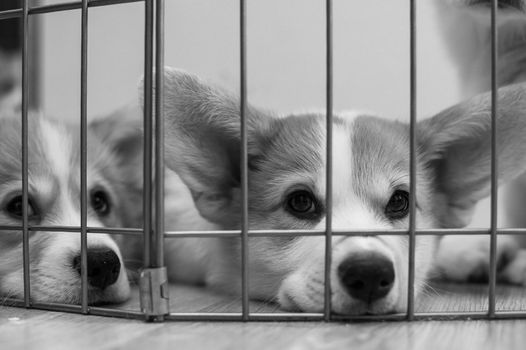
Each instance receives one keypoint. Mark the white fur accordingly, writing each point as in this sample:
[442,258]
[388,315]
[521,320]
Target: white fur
[59,147]
[467,30]
[371,163]
[53,277]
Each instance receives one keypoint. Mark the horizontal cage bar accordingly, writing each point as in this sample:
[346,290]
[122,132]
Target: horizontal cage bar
[269,233]
[288,316]
[281,316]
[74,5]
[307,233]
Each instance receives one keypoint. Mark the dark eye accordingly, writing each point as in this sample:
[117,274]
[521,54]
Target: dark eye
[302,204]
[100,202]
[15,208]
[398,206]
[6,86]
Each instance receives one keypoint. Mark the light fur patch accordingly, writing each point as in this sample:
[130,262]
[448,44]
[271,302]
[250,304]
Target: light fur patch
[57,145]
[53,169]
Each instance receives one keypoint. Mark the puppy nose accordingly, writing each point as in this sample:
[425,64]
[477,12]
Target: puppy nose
[367,276]
[103,267]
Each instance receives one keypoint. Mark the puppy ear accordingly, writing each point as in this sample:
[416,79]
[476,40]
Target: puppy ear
[122,132]
[203,141]
[456,145]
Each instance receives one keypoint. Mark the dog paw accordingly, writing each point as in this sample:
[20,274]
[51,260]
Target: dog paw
[502,4]
[518,4]
[467,259]
[515,271]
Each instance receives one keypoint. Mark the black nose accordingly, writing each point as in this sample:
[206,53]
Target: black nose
[367,276]
[103,267]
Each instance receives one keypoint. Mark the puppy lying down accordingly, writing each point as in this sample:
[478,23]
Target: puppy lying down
[54,187]
[287,191]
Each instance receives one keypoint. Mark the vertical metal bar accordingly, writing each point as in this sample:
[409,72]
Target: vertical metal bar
[147,155]
[244,157]
[158,248]
[412,162]
[494,163]
[328,184]
[83,156]
[25,159]
[153,283]
[35,57]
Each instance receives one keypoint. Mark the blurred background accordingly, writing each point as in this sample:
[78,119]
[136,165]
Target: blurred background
[286,56]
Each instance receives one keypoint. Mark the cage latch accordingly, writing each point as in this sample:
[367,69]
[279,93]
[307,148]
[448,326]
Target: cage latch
[154,292]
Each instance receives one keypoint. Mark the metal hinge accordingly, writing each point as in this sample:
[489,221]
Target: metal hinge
[154,293]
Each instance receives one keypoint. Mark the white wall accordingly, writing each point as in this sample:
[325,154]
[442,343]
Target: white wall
[286,54]
[286,57]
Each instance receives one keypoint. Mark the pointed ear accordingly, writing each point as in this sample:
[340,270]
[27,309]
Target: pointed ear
[456,146]
[122,132]
[202,138]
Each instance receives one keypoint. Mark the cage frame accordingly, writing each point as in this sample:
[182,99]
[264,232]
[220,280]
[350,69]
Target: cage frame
[153,230]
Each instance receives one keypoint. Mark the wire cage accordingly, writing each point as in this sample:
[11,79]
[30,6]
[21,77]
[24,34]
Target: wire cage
[153,281]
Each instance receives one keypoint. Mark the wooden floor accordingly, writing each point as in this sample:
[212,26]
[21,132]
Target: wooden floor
[27,329]
[438,298]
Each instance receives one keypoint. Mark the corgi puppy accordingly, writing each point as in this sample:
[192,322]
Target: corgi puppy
[54,199]
[287,162]
[466,29]
[122,132]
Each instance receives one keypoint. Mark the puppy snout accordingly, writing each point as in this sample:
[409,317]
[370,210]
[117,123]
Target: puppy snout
[103,267]
[367,276]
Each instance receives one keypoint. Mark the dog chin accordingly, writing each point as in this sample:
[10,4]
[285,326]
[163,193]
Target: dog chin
[296,300]
[356,307]
[112,295]
[347,307]
[43,291]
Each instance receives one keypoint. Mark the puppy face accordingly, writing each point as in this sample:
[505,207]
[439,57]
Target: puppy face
[370,186]
[370,190]
[54,199]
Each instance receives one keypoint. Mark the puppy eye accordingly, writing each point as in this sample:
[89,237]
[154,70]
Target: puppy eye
[100,202]
[15,208]
[6,86]
[302,204]
[398,206]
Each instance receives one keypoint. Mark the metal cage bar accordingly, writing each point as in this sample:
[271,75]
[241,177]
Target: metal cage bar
[494,163]
[329,167]
[74,5]
[153,287]
[244,157]
[159,134]
[280,316]
[25,154]
[84,156]
[148,129]
[412,162]
[271,233]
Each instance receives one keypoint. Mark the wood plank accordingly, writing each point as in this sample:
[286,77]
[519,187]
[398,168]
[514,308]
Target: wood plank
[29,329]
[21,328]
[439,297]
